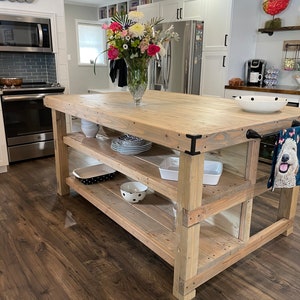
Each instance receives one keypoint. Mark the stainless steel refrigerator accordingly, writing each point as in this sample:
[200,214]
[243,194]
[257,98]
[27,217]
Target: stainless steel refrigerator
[179,70]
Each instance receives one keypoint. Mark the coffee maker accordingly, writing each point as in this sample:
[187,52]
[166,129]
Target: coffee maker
[254,72]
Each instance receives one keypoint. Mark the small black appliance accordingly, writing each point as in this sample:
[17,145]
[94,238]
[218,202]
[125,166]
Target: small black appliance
[254,72]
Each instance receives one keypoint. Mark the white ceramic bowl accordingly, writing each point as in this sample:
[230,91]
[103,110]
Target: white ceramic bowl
[133,191]
[261,104]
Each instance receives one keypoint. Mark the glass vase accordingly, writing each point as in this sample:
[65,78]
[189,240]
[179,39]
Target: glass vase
[137,77]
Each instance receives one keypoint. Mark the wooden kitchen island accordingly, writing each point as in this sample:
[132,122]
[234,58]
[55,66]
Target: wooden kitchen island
[212,228]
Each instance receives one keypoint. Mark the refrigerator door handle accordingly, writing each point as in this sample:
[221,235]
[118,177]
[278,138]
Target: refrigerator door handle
[167,66]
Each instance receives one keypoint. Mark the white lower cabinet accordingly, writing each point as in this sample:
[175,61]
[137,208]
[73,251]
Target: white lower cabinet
[3,147]
[213,74]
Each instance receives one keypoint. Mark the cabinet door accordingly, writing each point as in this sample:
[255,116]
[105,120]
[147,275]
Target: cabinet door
[217,25]
[214,70]
[194,9]
[171,10]
[150,11]
[3,147]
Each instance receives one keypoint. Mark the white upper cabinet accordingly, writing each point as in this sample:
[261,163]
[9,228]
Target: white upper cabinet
[217,23]
[150,11]
[174,10]
[194,9]
[180,10]
[170,10]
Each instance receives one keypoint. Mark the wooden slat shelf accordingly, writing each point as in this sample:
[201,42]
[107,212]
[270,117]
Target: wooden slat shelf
[152,222]
[138,169]
[144,168]
[270,31]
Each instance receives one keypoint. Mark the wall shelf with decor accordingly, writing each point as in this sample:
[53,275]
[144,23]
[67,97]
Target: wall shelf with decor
[126,6]
[270,31]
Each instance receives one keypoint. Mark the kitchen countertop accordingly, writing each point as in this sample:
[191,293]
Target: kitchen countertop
[281,89]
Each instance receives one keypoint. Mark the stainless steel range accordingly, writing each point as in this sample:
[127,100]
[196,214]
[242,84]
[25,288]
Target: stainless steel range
[27,122]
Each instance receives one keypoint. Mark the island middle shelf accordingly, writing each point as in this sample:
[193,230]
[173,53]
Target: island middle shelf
[144,168]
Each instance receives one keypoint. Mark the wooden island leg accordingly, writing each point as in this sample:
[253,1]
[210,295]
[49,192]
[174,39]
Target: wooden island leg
[189,198]
[61,152]
[250,174]
[288,205]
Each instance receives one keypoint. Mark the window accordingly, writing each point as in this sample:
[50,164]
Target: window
[91,42]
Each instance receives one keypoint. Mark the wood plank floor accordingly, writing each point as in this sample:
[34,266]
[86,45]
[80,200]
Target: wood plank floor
[63,248]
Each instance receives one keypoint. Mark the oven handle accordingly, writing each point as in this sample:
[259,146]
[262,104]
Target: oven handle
[29,97]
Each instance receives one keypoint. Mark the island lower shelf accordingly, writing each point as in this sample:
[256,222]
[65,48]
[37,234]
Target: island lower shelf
[152,221]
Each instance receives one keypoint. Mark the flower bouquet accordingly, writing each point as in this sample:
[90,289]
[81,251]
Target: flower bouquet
[136,43]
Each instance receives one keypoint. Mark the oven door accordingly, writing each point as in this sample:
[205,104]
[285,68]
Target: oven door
[28,126]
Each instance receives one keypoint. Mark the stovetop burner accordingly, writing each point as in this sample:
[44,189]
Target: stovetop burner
[32,87]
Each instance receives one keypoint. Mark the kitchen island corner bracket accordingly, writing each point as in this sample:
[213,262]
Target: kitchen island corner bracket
[194,139]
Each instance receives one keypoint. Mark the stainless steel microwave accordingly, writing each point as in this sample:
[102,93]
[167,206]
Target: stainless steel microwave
[25,34]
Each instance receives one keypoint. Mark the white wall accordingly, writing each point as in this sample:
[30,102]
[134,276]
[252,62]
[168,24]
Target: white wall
[248,17]
[82,78]
[245,18]
[53,9]
[270,48]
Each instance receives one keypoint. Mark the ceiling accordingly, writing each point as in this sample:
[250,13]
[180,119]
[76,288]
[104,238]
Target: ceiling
[87,2]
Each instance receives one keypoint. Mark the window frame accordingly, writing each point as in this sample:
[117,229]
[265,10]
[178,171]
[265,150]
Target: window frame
[104,62]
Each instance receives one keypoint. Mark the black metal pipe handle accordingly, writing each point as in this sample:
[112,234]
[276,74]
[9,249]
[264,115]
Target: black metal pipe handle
[252,134]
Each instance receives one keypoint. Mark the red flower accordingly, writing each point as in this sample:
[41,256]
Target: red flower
[152,49]
[274,7]
[112,53]
[115,26]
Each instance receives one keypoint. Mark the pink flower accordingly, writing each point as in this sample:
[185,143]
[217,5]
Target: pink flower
[124,33]
[152,49]
[112,53]
[115,26]
[144,46]
[105,26]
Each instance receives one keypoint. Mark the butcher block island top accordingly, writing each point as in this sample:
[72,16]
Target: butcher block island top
[212,227]
[167,118]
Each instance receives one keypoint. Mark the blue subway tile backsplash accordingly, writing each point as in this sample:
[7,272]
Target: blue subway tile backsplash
[32,67]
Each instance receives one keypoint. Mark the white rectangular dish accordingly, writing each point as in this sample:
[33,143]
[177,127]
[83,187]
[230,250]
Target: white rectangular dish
[212,170]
